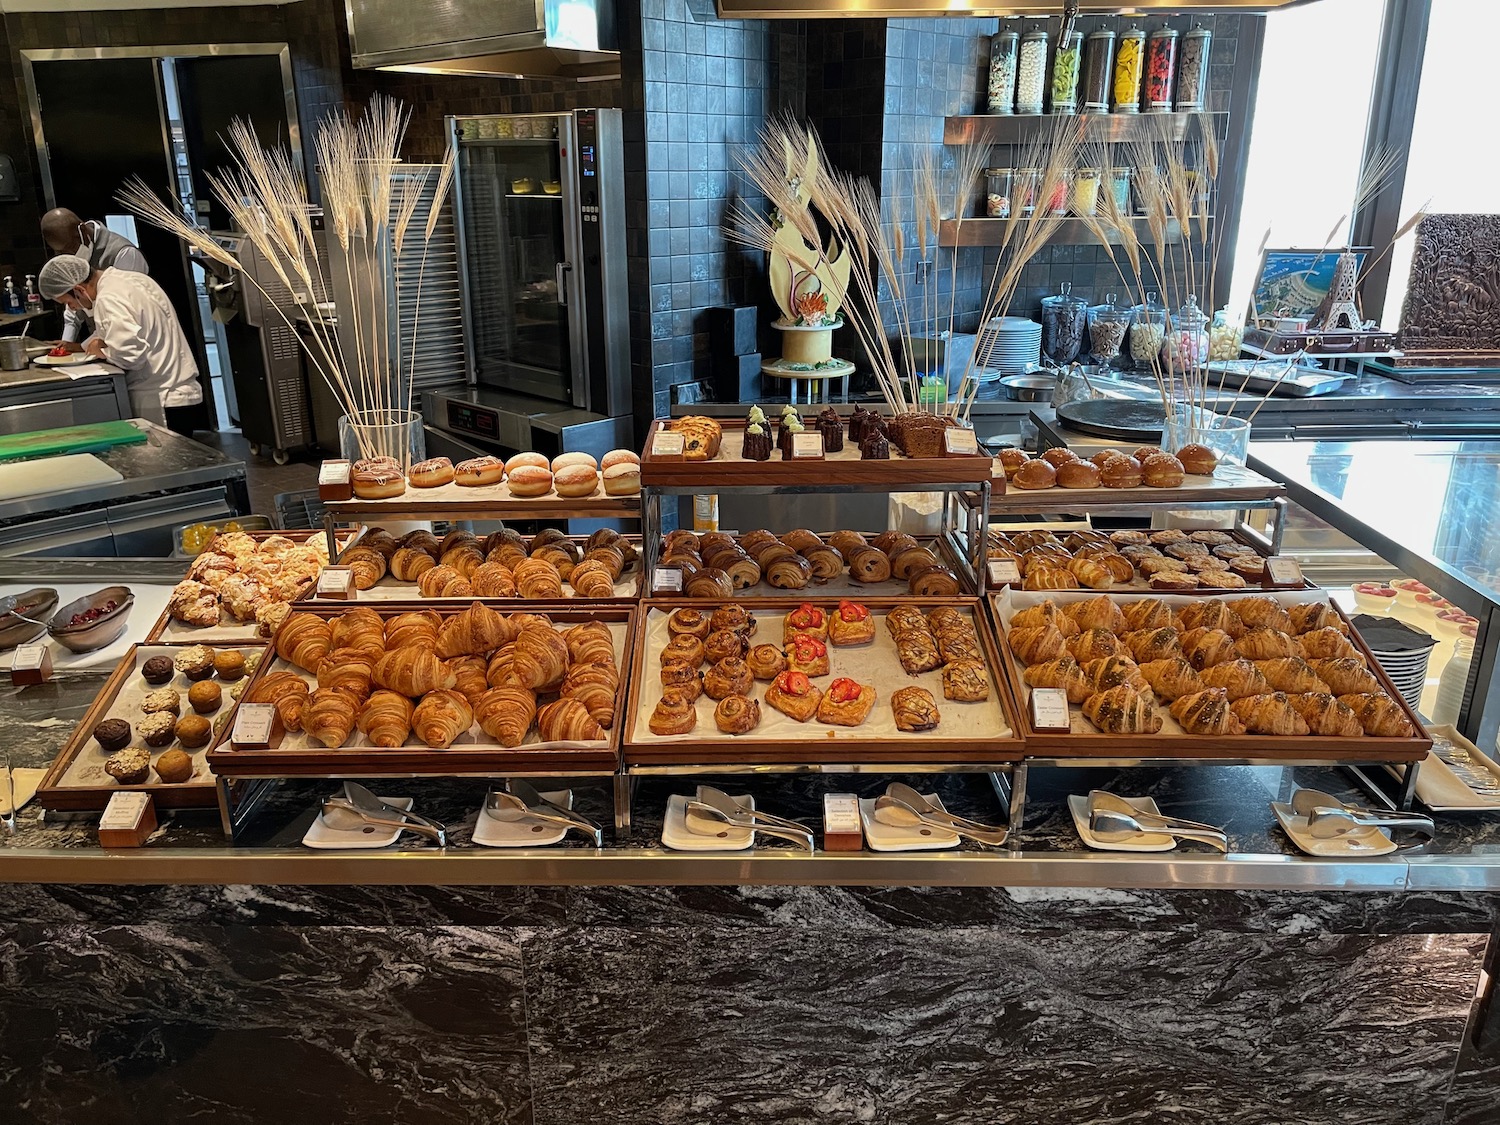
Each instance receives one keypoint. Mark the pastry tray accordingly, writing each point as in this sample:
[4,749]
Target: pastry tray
[1085,741]
[968,732]
[1139,584]
[472,754]
[730,469]
[1229,484]
[76,779]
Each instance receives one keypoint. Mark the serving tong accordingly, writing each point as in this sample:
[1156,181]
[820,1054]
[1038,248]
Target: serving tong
[903,807]
[521,801]
[713,810]
[1113,818]
[1328,817]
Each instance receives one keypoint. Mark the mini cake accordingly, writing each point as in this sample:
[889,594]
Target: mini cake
[196,663]
[857,423]
[174,767]
[205,697]
[129,767]
[831,426]
[791,425]
[158,728]
[158,670]
[875,446]
[112,735]
[757,442]
[229,665]
[194,731]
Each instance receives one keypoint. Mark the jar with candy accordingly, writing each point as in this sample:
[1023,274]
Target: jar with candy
[1059,194]
[1119,189]
[1192,71]
[1225,336]
[1085,191]
[1065,74]
[1148,328]
[1130,63]
[1185,345]
[1002,85]
[1108,324]
[1023,190]
[997,193]
[1093,86]
[1031,72]
[1161,69]
[1064,322]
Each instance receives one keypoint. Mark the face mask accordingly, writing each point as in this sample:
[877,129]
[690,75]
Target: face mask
[85,243]
[83,300]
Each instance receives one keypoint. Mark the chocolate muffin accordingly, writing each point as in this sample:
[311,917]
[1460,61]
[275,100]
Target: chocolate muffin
[196,663]
[174,766]
[162,699]
[158,728]
[230,665]
[129,767]
[112,735]
[205,697]
[158,670]
[194,731]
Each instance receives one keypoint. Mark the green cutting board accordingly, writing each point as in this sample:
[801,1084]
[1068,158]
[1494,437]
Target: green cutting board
[69,439]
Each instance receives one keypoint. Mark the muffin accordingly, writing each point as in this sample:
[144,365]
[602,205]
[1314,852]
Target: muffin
[229,665]
[112,735]
[174,766]
[158,670]
[158,729]
[757,445]
[205,697]
[196,663]
[194,731]
[163,699]
[128,767]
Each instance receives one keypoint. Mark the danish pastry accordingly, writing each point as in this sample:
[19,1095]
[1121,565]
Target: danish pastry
[809,655]
[683,650]
[851,624]
[685,678]
[737,714]
[730,676]
[806,619]
[846,703]
[735,618]
[689,622]
[794,695]
[966,681]
[915,709]
[766,662]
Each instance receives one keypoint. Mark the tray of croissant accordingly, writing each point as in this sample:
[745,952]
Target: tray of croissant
[1169,560]
[548,566]
[759,564]
[1266,675]
[451,690]
[821,681]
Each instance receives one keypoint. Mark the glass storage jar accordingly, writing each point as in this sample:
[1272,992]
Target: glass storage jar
[1031,72]
[1185,346]
[1148,328]
[1023,190]
[1085,191]
[1161,69]
[997,193]
[1093,85]
[1119,190]
[1225,336]
[1002,84]
[1192,71]
[1130,62]
[1064,322]
[1108,324]
[1061,191]
[1065,66]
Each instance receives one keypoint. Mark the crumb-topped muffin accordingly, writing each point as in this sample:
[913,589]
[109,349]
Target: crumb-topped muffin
[196,663]
[158,728]
[128,767]
[162,699]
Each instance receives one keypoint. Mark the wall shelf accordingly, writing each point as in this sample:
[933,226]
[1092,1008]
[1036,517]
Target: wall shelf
[1071,232]
[1110,128]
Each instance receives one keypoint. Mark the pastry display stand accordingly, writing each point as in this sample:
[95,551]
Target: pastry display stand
[802,377]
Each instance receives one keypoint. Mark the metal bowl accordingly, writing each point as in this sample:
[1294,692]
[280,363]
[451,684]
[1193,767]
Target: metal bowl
[38,604]
[99,632]
[1029,387]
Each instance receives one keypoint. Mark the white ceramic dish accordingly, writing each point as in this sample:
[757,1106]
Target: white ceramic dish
[72,359]
[1367,841]
[1139,842]
[675,834]
[1374,603]
[319,835]
[898,838]
[525,833]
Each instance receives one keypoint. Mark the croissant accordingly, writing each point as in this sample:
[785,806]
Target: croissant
[1095,575]
[541,658]
[868,565]
[469,676]
[1315,615]
[385,719]
[1264,612]
[1346,675]
[444,582]
[1097,613]
[590,643]
[1095,644]
[1260,643]
[505,714]
[1045,613]
[537,579]
[1238,679]
[592,579]
[1327,644]
[567,720]
[595,686]
[477,629]
[1206,712]
[1211,613]
[465,559]
[1036,646]
[493,580]
[935,581]
[1205,647]
[1113,671]
[1122,710]
[360,628]
[329,716]
[304,640]
[508,555]
[790,573]
[610,557]
[458,537]
[421,540]
[441,717]
[418,629]
[1172,678]
[501,669]
[1269,714]
[1148,613]
[1379,715]
[1049,578]
[1065,673]
[1153,644]
[845,541]
[408,564]
[368,566]
[826,562]
[505,536]
[378,539]
[412,671]
[550,535]
[1292,675]
[563,554]
[287,691]
[349,670]
[1326,716]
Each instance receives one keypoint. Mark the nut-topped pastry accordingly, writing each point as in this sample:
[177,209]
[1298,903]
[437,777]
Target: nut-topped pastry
[195,662]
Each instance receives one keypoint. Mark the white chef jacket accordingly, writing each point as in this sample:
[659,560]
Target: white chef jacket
[108,249]
[141,334]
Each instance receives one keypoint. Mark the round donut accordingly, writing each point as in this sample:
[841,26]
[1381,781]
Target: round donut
[619,457]
[534,459]
[378,478]
[479,470]
[529,481]
[431,473]
[575,480]
[563,460]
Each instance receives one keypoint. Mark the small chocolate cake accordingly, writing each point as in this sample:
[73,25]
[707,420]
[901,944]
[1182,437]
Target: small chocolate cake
[112,735]
[831,426]
[875,447]
[757,442]
[158,670]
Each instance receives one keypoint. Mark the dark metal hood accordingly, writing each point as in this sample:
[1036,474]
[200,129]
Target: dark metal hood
[572,39]
[862,9]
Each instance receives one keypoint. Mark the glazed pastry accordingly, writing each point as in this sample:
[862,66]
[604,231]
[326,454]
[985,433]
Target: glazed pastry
[1065,673]
[689,622]
[918,652]
[868,565]
[791,572]
[1097,613]
[766,662]
[736,618]
[1206,647]
[1095,644]
[412,671]
[1238,678]
[112,735]
[1265,644]
[1206,713]
[505,714]
[1171,678]
[1036,645]
[935,581]
[1153,644]
[160,728]
[1269,714]
[1262,612]
[359,628]
[724,644]
[128,767]
[1327,644]
[806,619]
[966,681]
[478,471]
[441,717]
[1122,710]
[846,703]
[851,624]
[958,644]
[377,478]
[1209,613]
[431,473]
[1148,613]
[174,767]
[1315,615]
[710,582]
[915,709]
[1346,675]
[304,640]
[1379,715]
[730,676]
[1092,574]
[195,662]
[162,699]
[329,716]
[1291,675]
[683,650]
[1160,564]
[794,695]
[904,617]
[159,670]
[478,629]
[444,582]
[541,658]
[1045,613]
[737,714]
[685,678]
[417,629]
[205,697]
[809,655]
[1114,671]
[1326,716]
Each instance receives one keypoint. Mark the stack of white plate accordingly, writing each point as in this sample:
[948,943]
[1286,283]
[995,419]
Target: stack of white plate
[1407,668]
[1008,345]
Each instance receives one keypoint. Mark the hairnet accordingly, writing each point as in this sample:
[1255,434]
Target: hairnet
[61,274]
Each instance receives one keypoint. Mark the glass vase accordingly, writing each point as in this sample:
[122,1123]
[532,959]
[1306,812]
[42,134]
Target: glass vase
[1227,436]
[383,433]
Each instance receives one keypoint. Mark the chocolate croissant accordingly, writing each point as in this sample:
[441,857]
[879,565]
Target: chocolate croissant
[1326,716]
[1269,714]
[1122,710]
[1065,673]
[441,717]
[1237,678]
[1207,712]
[1171,678]
[914,709]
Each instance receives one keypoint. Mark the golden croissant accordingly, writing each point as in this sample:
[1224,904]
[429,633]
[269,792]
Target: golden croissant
[1153,644]
[590,643]
[329,716]
[287,691]
[1171,678]
[348,669]
[409,564]
[1327,644]
[412,671]
[1097,613]
[595,686]
[505,714]
[478,629]
[385,719]
[1238,679]
[1210,613]
[592,579]
[493,580]
[444,582]
[1204,647]
[419,629]
[501,668]
[1065,673]
[1316,615]
[1346,675]
[1095,644]
[1379,715]
[1036,645]
[1148,613]
[1292,675]
[537,579]
[367,564]
[1045,613]
[1112,671]
[304,640]
[469,676]
[1260,643]
[567,720]
[465,559]
[1326,716]
[1263,612]
[1122,710]
[1207,713]
[359,628]
[441,717]
[541,658]
[1269,714]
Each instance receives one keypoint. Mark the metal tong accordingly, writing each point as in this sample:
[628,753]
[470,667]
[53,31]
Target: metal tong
[903,806]
[367,802]
[714,809]
[1113,817]
[521,801]
[1328,817]
[344,816]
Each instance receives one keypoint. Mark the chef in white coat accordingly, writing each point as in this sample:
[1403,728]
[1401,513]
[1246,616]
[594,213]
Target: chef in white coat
[135,329]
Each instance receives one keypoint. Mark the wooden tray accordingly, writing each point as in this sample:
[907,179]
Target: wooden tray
[296,758]
[1140,586]
[730,469]
[76,779]
[988,735]
[1084,741]
[1229,484]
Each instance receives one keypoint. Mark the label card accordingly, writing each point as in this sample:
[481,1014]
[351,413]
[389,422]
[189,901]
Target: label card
[666,444]
[333,472]
[336,582]
[124,810]
[960,442]
[807,447]
[31,665]
[842,830]
[257,726]
[1049,709]
[1004,572]
[666,580]
[1283,572]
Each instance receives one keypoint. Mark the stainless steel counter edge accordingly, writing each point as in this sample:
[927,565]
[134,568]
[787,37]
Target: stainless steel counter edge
[653,867]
